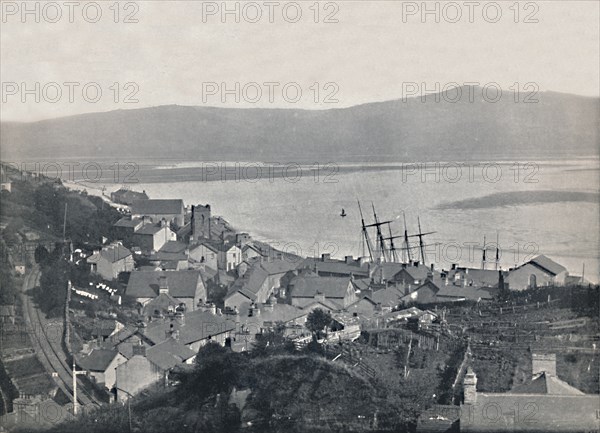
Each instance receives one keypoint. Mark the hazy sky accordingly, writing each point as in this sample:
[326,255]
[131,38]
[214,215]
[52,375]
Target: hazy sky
[374,51]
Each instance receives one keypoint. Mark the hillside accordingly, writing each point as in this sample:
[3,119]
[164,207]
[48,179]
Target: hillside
[227,392]
[558,126]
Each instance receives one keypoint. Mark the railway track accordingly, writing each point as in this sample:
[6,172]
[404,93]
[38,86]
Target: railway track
[50,358]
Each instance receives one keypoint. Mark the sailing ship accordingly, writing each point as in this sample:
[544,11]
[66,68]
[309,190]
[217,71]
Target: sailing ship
[383,248]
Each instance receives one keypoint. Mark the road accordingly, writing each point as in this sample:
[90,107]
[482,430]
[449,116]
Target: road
[48,347]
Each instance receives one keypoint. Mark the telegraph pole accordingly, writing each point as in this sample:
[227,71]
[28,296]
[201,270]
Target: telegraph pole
[75,373]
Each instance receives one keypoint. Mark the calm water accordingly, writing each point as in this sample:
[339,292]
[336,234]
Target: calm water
[303,215]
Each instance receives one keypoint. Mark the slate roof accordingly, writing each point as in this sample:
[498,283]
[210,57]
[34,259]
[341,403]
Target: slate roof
[389,296]
[476,277]
[546,384]
[169,353]
[335,267]
[250,283]
[145,284]
[98,359]
[160,303]
[112,253]
[157,207]
[308,286]
[414,272]
[173,247]
[276,313]
[198,325]
[161,255]
[278,266]
[211,245]
[387,271]
[149,229]
[548,264]
[129,195]
[327,303]
[128,222]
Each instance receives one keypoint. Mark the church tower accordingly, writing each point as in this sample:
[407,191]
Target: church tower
[200,222]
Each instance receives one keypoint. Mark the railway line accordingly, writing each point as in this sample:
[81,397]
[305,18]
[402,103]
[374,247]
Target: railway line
[52,360]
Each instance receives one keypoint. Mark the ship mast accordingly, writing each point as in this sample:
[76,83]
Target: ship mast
[405,245]
[377,224]
[483,257]
[497,263]
[421,244]
[365,232]
[379,235]
[393,254]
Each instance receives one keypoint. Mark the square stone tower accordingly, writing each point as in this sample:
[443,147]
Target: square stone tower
[200,222]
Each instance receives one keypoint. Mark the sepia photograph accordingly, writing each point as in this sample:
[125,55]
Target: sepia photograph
[309,216]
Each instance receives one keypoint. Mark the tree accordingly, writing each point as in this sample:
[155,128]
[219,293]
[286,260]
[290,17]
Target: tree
[41,254]
[217,371]
[273,342]
[317,321]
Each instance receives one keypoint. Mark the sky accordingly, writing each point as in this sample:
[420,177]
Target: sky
[190,53]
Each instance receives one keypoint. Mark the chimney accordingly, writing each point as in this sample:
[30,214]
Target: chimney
[453,266]
[320,297]
[325,257]
[500,280]
[543,363]
[431,268]
[470,386]
[163,286]
[139,349]
[416,264]
[403,265]
[348,259]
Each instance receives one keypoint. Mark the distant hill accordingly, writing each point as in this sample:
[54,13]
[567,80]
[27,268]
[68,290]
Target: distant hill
[558,126]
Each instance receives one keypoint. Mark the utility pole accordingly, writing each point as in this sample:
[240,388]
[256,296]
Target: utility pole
[75,373]
[407,358]
[483,259]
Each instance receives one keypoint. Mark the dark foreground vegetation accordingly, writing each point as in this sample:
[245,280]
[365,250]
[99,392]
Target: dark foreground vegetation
[274,388]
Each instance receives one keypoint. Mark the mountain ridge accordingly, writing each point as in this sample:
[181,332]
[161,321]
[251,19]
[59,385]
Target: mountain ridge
[559,125]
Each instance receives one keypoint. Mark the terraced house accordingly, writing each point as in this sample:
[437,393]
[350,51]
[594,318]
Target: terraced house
[185,287]
[111,260]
